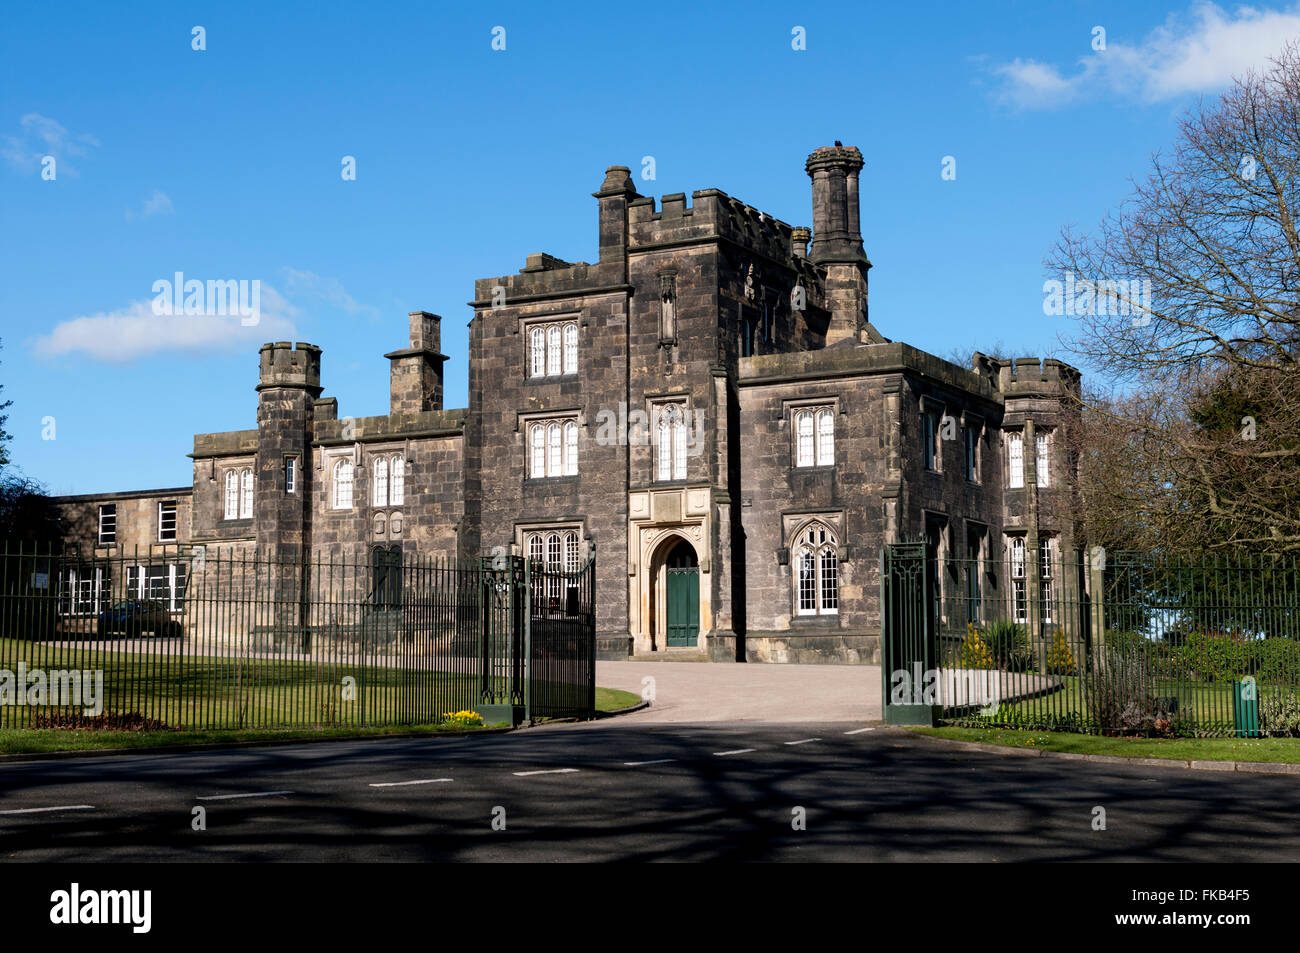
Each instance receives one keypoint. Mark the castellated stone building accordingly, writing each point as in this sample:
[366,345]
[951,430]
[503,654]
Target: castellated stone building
[707,404]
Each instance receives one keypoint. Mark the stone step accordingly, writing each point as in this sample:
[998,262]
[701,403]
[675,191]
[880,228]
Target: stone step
[670,656]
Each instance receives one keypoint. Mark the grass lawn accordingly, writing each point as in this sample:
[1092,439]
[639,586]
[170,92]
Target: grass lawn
[611,699]
[210,699]
[1209,705]
[43,740]
[1284,750]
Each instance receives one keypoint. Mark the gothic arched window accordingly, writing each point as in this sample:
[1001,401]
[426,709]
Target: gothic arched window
[816,571]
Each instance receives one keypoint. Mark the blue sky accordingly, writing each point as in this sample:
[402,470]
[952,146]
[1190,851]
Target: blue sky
[225,164]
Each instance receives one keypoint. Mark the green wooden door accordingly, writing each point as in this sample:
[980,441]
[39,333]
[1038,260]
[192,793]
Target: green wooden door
[683,596]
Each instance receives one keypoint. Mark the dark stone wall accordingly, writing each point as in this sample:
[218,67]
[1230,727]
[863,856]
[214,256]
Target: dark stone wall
[743,354]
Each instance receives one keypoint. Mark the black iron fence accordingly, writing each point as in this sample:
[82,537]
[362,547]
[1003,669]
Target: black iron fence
[1109,642]
[214,637]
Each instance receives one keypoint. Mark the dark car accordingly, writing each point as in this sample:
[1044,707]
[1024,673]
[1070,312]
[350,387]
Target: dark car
[137,616]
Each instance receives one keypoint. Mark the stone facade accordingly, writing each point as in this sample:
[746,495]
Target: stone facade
[710,380]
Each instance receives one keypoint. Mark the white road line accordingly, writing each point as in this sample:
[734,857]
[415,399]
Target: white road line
[398,784]
[231,797]
[803,742]
[858,731]
[42,810]
[525,774]
[723,754]
[637,764]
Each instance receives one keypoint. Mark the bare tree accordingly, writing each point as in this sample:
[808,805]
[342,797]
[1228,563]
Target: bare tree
[1188,297]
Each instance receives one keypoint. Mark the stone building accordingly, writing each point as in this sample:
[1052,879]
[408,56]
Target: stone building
[706,404]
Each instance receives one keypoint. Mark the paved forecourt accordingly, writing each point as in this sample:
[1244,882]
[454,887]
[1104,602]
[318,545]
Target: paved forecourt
[697,692]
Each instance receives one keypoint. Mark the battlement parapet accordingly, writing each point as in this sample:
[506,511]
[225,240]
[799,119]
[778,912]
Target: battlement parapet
[282,364]
[1026,375]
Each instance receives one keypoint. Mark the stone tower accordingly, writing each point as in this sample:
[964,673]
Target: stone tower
[288,385]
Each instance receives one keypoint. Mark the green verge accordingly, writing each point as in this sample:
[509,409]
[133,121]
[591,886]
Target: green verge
[47,740]
[612,699]
[1277,750]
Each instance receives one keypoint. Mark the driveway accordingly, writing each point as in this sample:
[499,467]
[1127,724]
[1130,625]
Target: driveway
[730,692]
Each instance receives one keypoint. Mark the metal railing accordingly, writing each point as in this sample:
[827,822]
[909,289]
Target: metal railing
[213,637]
[1100,642]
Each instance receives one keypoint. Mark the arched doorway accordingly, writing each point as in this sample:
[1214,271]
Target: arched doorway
[682,595]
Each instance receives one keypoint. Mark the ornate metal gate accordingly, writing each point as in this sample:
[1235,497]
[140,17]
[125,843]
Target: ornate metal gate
[908,634]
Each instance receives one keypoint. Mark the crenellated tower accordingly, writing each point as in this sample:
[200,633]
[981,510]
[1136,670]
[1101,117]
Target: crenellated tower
[288,385]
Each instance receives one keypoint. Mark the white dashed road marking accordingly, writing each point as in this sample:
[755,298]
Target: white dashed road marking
[803,742]
[398,784]
[231,797]
[42,810]
[723,754]
[525,774]
[637,764]
[858,731]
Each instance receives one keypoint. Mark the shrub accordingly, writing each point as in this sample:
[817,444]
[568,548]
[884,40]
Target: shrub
[1121,697]
[1123,640]
[1216,658]
[974,653]
[1060,660]
[1278,660]
[1279,715]
[1008,643]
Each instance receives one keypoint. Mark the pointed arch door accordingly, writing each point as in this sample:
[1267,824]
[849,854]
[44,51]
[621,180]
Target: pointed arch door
[683,595]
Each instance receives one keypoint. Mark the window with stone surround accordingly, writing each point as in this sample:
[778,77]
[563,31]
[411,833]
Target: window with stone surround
[1041,458]
[85,590]
[816,571]
[814,434]
[552,448]
[108,524]
[552,553]
[1046,560]
[671,437]
[971,448]
[552,349]
[167,522]
[931,414]
[1015,460]
[341,485]
[1019,596]
[163,583]
[239,494]
[389,480]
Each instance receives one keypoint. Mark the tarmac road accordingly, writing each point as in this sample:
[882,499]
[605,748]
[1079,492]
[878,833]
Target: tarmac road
[615,790]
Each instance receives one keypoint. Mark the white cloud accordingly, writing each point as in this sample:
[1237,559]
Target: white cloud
[40,136]
[1194,52]
[135,331]
[326,289]
[157,204]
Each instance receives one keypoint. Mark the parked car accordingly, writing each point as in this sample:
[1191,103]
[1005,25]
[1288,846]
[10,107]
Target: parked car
[137,616]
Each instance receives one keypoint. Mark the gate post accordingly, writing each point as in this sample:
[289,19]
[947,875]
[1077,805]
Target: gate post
[1097,605]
